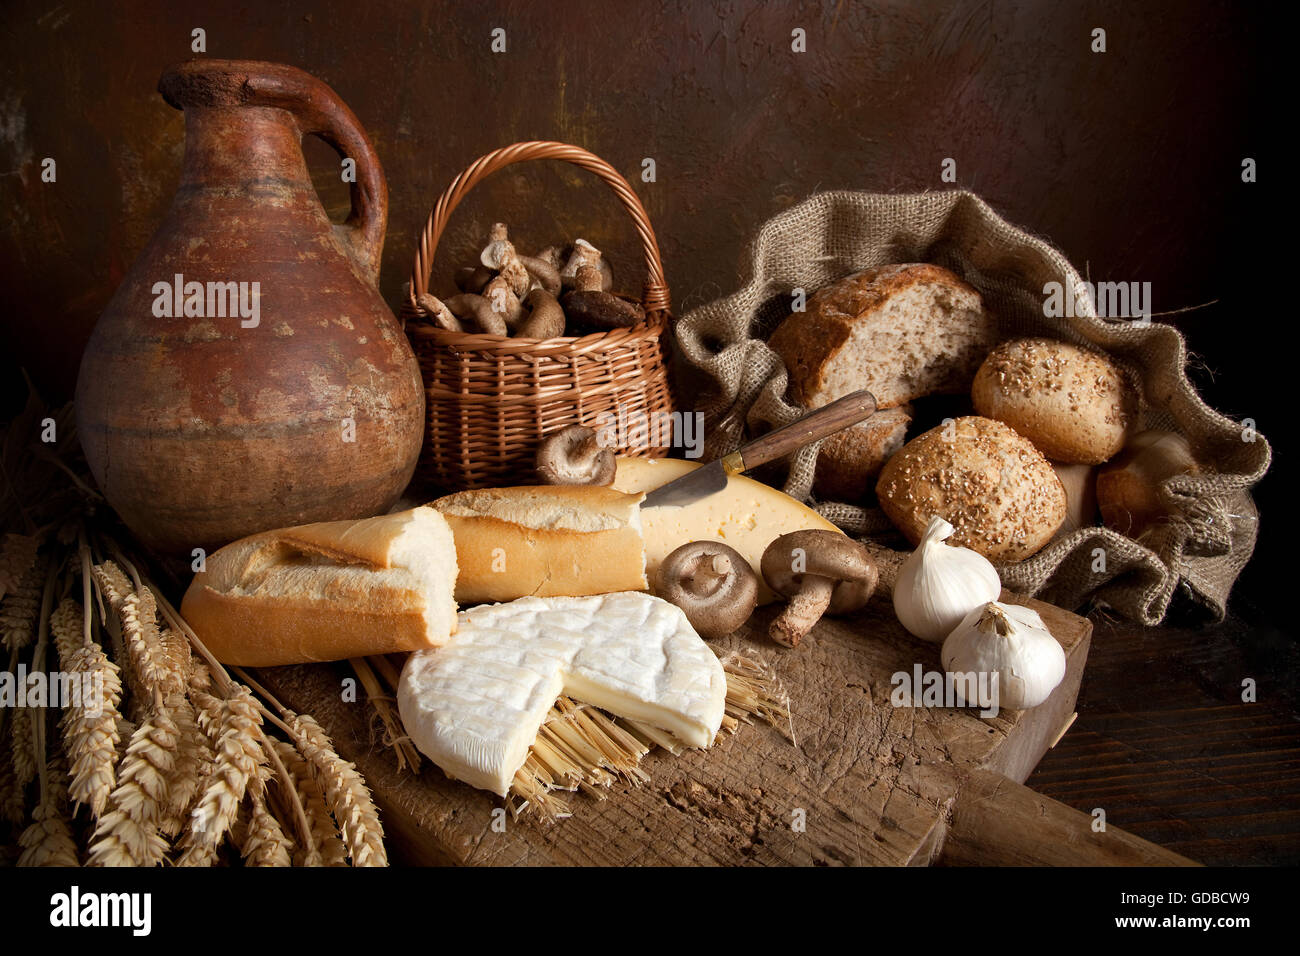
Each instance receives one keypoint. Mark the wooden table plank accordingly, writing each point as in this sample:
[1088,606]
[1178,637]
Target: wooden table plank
[875,782]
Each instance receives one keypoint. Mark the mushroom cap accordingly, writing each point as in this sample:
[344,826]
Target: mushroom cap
[712,583]
[824,554]
[602,310]
[574,456]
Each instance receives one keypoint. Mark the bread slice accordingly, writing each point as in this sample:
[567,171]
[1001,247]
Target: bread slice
[545,541]
[328,591]
[849,460]
[901,331]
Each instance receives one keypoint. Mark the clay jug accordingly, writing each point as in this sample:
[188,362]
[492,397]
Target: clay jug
[247,375]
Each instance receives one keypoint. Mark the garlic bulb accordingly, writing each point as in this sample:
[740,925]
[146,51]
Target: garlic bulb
[1011,642]
[940,584]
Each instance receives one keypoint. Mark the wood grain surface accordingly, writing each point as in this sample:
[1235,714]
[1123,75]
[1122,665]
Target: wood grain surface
[1167,747]
[875,783]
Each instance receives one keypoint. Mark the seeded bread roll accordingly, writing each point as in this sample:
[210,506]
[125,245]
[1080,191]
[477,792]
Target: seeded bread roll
[992,485]
[902,331]
[1072,403]
[850,459]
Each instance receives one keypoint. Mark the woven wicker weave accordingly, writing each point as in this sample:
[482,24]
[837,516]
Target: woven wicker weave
[491,399]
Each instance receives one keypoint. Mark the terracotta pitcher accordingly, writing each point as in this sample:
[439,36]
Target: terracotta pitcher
[247,374]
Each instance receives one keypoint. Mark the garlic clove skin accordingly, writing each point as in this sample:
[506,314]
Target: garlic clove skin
[1013,643]
[939,584]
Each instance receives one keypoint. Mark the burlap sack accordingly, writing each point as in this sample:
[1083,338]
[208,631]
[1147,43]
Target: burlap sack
[834,234]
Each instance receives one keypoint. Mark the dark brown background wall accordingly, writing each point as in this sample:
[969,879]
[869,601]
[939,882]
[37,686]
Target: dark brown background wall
[1129,160]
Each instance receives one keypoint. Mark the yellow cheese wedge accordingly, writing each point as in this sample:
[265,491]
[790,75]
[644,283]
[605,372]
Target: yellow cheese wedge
[748,515]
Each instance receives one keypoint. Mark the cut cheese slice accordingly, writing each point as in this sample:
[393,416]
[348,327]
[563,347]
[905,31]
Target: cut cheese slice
[475,706]
[747,515]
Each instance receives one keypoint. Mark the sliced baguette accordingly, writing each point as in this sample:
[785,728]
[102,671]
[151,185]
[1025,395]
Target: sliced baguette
[545,541]
[902,331]
[328,591]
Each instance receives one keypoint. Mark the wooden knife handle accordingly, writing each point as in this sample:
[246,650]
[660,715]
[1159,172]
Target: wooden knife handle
[838,415]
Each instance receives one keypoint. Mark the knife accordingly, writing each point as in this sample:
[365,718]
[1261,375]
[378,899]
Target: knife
[778,443]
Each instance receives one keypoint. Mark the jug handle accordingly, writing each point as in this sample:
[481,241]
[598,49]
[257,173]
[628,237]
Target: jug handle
[319,112]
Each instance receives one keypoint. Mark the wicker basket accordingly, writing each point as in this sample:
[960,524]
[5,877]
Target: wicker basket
[491,399]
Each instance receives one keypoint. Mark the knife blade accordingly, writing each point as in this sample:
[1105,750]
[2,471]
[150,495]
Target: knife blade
[712,478]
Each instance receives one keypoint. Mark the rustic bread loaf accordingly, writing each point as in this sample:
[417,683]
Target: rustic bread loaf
[849,460]
[545,541]
[1071,402]
[328,591]
[991,484]
[902,331]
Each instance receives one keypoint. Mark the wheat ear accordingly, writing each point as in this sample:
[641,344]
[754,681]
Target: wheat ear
[128,835]
[345,793]
[90,733]
[234,729]
[23,755]
[65,625]
[265,843]
[20,606]
[13,798]
[48,840]
[192,762]
[330,850]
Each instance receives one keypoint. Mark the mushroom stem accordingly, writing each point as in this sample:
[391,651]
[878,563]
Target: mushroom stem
[546,318]
[543,273]
[438,312]
[805,609]
[480,310]
[709,574]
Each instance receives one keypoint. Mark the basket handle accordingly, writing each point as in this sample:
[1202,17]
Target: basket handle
[654,294]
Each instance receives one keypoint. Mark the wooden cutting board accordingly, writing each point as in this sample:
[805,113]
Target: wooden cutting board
[864,782]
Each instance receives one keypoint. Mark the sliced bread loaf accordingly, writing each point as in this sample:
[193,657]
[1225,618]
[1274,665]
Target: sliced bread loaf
[902,331]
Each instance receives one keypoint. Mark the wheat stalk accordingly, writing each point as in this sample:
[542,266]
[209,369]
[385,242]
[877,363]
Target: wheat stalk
[128,835]
[90,733]
[345,791]
[330,850]
[264,843]
[48,841]
[234,726]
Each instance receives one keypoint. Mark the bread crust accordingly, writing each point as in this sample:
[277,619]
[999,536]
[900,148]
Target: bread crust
[809,341]
[501,560]
[1072,403]
[849,461]
[331,596]
[995,488]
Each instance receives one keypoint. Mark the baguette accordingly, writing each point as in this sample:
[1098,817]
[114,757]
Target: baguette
[545,541]
[328,591]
